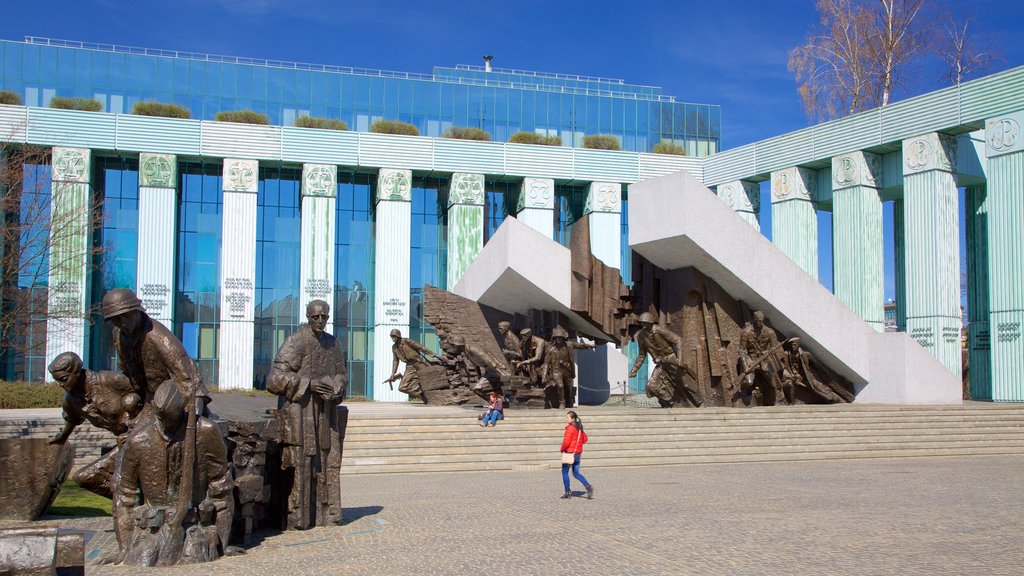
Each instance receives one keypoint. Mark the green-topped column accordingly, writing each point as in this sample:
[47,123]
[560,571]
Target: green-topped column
[392,274]
[744,198]
[978,335]
[465,223]
[931,232]
[794,221]
[604,206]
[536,206]
[857,236]
[316,244]
[1004,147]
[70,252]
[158,211]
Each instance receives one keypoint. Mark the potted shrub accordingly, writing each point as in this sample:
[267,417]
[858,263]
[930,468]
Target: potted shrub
[160,109]
[601,142]
[534,138]
[394,127]
[667,147]
[242,117]
[458,133]
[86,104]
[322,123]
[8,97]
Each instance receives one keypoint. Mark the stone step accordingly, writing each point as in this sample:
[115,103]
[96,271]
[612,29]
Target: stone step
[372,468]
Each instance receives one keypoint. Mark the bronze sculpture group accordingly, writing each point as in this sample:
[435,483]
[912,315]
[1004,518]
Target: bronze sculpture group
[170,477]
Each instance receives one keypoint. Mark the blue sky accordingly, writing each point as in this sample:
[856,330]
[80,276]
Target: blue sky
[727,52]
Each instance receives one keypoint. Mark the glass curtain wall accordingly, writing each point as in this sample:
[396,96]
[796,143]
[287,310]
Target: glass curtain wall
[569,203]
[278,233]
[352,313]
[24,358]
[501,199]
[429,255]
[197,310]
[116,193]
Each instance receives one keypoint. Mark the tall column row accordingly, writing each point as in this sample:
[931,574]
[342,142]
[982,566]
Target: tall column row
[794,220]
[858,277]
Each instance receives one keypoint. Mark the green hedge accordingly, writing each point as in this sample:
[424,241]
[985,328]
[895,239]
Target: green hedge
[394,127]
[160,109]
[241,117]
[322,123]
[30,395]
[458,133]
[8,97]
[601,142]
[534,138]
[666,147]
[86,104]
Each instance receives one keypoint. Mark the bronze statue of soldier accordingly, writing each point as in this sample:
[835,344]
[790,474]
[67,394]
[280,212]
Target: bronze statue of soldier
[413,354]
[310,380]
[147,352]
[796,372]
[760,363]
[533,348]
[107,400]
[482,372]
[673,382]
[558,371]
[510,346]
[171,462]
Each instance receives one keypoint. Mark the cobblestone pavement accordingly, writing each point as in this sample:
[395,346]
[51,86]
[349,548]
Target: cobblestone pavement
[915,516]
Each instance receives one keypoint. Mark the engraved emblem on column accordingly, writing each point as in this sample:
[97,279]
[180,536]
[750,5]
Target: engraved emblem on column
[157,170]
[793,183]
[857,169]
[844,172]
[319,180]
[872,168]
[1002,134]
[537,193]
[466,189]
[918,155]
[727,193]
[241,176]
[70,164]
[781,186]
[603,197]
[394,185]
[947,157]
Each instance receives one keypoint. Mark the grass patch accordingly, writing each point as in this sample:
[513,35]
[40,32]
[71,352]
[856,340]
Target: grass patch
[74,500]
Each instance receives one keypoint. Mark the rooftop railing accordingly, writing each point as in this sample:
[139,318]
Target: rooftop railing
[41,41]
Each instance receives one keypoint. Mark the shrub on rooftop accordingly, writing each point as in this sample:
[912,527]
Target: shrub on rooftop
[86,104]
[8,97]
[458,133]
[322,123]
[534,138]
[241,117]
[668,147]
[601,142]
[160,109]
[394,127]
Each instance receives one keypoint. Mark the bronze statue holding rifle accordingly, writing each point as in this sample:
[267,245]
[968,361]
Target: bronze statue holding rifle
[673,382]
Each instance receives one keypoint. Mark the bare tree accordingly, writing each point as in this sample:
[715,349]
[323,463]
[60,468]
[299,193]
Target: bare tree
[44,245]
[961,52]
[899,34]
[834,68]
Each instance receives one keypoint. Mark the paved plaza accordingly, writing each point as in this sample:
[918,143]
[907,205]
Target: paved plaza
[913,516]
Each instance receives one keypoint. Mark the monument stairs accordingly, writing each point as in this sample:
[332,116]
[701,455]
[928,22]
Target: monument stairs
[386,438]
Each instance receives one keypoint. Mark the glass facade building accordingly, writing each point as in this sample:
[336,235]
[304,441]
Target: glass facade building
[501,102]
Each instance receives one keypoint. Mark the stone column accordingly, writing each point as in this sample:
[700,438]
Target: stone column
[978,337]
[604,206]
[857,236]
[70,253]
[391,274]
[1004,148]
[597,369]
[931,231]
[316,245]
[744,198]
[465,223]
[237,274]
[536,207]
[794,222]
[158,209]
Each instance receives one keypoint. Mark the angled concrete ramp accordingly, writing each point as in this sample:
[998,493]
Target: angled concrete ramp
[675,222]
[519,270]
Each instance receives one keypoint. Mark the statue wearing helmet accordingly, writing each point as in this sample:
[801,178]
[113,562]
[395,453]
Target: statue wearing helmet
[673,382]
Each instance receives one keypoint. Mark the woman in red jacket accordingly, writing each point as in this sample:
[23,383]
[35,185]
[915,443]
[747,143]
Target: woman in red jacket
[572,443]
